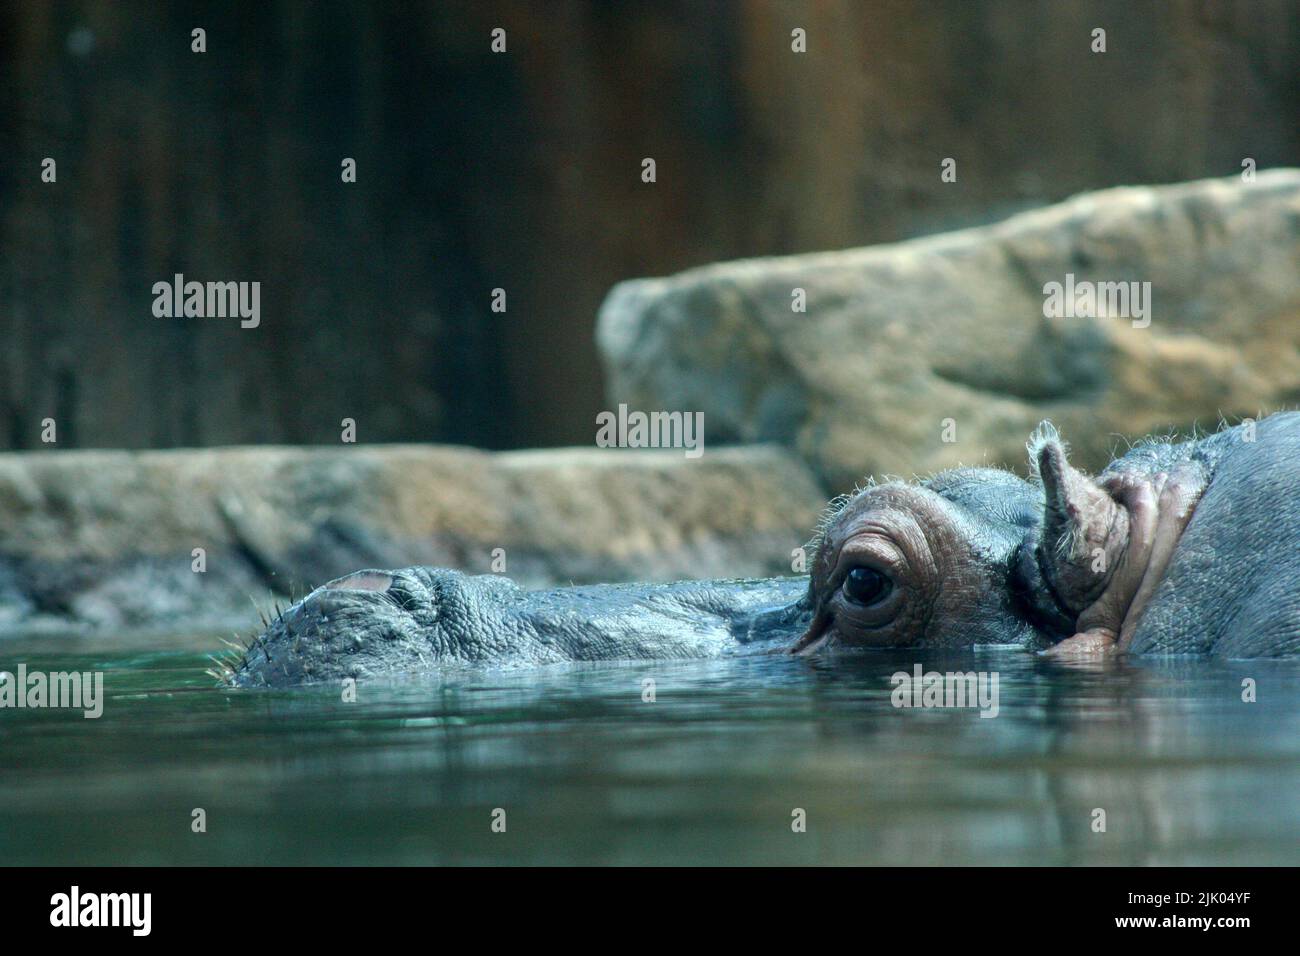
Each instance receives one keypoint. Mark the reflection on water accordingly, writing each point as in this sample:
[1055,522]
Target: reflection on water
[709,772]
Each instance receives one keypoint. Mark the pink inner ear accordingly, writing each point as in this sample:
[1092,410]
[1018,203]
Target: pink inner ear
[362,581]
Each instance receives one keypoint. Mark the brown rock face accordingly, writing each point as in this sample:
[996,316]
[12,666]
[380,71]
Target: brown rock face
[107,539]
[924,354]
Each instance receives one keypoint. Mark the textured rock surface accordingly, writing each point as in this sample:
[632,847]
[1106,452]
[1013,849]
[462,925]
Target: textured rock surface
[104,539]
[897,338]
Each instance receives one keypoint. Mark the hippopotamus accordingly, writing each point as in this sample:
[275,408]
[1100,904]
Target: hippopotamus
[1177,547]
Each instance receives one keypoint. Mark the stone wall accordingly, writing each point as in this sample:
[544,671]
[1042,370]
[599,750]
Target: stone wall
[921,355]
[105,540]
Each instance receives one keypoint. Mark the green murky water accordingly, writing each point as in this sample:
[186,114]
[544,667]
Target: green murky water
[710,772]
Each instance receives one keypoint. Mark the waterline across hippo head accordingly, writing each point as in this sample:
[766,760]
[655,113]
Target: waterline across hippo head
[1177,547]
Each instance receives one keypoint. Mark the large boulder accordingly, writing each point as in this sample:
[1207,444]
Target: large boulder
[107,539]
[907,346]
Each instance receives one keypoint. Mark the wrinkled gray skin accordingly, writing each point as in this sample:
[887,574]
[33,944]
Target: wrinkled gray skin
[1232,587]
[431,616]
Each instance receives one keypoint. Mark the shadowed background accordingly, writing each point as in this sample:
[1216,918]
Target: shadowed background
[522,171]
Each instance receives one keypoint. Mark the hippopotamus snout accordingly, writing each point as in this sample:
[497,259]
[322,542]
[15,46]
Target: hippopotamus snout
[407,621]
[355,626]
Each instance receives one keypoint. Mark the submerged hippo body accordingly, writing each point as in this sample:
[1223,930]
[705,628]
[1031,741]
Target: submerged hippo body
[1176,548]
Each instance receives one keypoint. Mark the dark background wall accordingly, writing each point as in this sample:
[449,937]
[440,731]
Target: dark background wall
[522,170]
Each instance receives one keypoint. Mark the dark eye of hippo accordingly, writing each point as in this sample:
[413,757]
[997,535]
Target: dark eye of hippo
[866,586]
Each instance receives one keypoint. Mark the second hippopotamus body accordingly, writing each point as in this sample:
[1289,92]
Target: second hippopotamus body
[1178,547]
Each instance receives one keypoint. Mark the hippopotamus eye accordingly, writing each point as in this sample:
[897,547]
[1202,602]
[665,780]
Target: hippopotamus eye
[865,586]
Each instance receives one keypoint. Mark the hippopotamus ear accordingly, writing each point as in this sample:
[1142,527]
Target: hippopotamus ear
[1078,519]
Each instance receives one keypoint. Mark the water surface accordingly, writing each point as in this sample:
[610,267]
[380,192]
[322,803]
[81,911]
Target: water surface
[710,772]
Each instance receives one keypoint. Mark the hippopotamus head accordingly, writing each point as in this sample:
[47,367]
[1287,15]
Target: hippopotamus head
[928,564]
[970,556]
